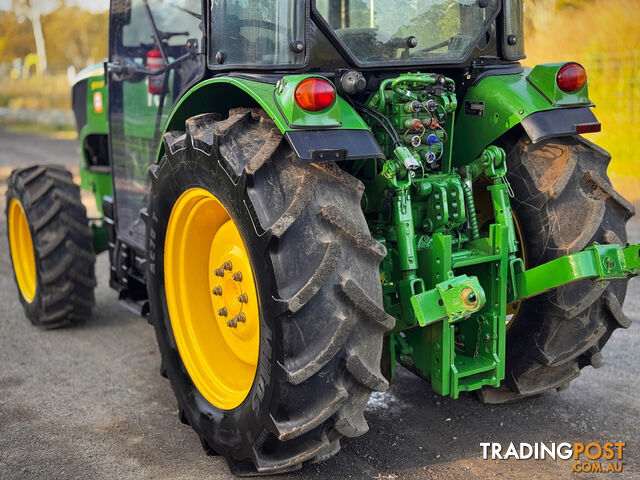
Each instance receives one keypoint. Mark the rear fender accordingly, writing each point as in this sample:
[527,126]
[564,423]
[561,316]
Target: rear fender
[336,134]
[495,104]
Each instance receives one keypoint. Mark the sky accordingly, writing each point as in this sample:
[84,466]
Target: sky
[48,5]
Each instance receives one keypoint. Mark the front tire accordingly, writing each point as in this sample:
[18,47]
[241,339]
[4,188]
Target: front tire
[51,246]
[316,275]
[564,202]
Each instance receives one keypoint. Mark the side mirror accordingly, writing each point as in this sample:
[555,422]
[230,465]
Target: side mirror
[122,69]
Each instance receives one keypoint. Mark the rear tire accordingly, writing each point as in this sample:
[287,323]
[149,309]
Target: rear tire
[316,270]
[564,202]
[62,245]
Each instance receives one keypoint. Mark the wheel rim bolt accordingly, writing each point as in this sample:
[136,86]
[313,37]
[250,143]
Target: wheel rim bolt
[219,272]
[244,298]
[223,312]
[237,276]
[227,266]
[240,318]
[217,291]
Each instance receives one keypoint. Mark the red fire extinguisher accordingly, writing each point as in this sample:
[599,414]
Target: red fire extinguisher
[155,62]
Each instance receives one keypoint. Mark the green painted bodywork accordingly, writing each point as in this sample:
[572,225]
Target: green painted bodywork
[543,78]
[509,99]
[223,93]
[283,111]
[96,180]
[97,124]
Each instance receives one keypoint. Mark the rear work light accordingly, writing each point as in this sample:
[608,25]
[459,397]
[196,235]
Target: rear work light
[314,94]
[571,77]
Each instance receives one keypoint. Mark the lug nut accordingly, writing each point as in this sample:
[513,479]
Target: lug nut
[219,272]
[240,318]
[227,266]
[244,298]
[223,312]
[217,291]
[237,276]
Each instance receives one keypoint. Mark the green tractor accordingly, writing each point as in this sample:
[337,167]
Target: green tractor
[301,195]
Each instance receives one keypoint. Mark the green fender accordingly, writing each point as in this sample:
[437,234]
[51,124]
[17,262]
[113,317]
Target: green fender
[90,103]
[497,103]
[218,95]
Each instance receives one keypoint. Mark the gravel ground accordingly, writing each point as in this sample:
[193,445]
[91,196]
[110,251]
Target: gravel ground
[89,402]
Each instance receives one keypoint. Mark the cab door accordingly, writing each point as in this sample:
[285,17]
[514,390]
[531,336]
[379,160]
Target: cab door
[146,36]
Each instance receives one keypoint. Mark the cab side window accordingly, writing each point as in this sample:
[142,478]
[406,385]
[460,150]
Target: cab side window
[256,32]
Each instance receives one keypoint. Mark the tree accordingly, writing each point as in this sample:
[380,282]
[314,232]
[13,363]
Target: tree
[85,42]
[16,37]
[31,9]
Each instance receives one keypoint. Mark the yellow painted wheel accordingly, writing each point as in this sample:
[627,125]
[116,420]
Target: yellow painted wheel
[22,254]
[212,298]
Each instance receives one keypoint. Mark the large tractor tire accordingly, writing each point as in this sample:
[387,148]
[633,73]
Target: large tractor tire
[265,293]
[564,202]
[51,246]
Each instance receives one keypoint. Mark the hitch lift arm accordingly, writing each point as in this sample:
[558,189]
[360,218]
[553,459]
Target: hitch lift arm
[598,262]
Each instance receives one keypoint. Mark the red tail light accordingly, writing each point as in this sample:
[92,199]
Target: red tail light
[314,94]
[571,77]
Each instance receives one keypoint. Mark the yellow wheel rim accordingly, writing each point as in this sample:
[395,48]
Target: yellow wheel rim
[212,298]
[22,254]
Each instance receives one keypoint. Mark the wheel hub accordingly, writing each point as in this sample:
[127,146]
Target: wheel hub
[234,305]
[212,298]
